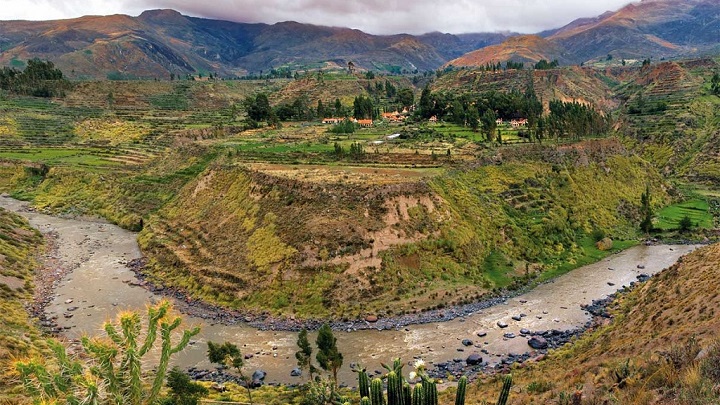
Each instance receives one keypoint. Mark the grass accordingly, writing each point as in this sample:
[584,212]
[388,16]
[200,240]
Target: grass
[697,210]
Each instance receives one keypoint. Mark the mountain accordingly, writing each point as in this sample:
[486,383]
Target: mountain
[522,48]
[653,29]
[160,42]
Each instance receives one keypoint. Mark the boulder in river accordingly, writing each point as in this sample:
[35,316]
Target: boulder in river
[473,359]
[538,343]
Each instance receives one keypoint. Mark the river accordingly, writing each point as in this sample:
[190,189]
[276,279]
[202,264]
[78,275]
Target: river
[100,286]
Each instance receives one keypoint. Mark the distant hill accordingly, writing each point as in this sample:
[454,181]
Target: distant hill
[652,29]
[160,42]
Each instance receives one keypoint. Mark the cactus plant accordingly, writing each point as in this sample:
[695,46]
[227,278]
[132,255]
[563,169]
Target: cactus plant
[407,394]
[430,394]
[364,383]
[365,401]
[417,396]
[505,392]
[394,389]
[376,392]
[460,395]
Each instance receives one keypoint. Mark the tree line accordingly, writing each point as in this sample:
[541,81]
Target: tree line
[38,79]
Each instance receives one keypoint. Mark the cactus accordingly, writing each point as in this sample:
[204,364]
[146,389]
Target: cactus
[407,394]
[365,401]
[460,395]
[364,384]
[505,392]
[417,397]
[394,389]
[430,394]
[376,392]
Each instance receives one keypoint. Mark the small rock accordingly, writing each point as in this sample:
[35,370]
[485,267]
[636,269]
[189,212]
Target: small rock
[69,301]
[467,342]
[640,266]
[516,318]
[502,324]
[610,283]
[509,335]
[482,334]
[524,331]
[296,372]
[371,318]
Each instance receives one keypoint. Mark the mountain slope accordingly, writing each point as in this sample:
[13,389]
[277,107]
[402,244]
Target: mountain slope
[649,29]
[160,42]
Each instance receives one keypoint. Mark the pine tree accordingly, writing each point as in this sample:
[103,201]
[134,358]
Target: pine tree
[304,355]
[328,356]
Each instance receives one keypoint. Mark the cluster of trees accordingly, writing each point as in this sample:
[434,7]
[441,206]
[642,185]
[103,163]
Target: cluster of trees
[364,108]
[715,84]
[389,96]
[572,120]
[38,79]
[544,64]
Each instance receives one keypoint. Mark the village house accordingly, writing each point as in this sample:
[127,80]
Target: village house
[499,121]
[394,116]
[331,120]
[365,123]
[433,119]
[522,122]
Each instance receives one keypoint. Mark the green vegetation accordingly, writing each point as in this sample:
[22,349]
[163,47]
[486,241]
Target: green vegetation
[112,369]
[696,211]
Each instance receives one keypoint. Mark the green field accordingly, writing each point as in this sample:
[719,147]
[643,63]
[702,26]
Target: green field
[697,210]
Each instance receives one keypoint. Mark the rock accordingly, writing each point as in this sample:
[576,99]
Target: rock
[509,335]
[473,359]
[371,318]
[641,266]
[296,372]
[467,342]
[538,343]
[69,301]
[524,331]
[257,378]
[604,244]
[482,334]
[502,324]
[610,283]
[516,317]
[248,356]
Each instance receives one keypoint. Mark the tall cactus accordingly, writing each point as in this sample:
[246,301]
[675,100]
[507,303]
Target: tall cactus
[365,401]
[460,395]
[394,389]
[407,394]
[376,392]
[418,395]
[430,394]
[505,392]
[364,383]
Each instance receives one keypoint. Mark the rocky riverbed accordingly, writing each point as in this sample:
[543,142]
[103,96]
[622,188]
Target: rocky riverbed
[89,281]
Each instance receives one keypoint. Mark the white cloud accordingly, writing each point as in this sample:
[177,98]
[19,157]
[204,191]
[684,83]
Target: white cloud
[374,16]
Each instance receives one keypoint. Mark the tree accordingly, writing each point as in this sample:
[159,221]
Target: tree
[258,107]
[405,97]
[715,84]
[304,355]
[183,391]
[328,356]
[228,355]
[320,109]
[685,224]
[489,123]
[113,369]
[426,104]
[646,211]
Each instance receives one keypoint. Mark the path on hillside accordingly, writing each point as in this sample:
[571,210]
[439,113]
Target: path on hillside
[99,285]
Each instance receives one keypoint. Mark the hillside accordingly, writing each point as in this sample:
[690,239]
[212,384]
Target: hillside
[19,337]
[522,48]
[160,42]
[660,346]
[257,241]
[671,119]
[655,29]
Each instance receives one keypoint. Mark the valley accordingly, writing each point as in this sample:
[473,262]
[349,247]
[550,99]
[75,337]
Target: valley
[553,215]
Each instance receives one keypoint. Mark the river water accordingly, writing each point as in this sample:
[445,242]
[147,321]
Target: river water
[100,287]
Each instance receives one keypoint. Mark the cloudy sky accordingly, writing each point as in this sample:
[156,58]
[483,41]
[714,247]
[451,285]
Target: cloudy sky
[373,16]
